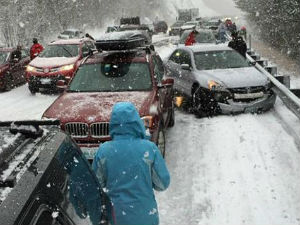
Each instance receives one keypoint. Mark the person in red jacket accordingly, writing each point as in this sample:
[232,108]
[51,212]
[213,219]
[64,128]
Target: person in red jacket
[191,39]
[35,49]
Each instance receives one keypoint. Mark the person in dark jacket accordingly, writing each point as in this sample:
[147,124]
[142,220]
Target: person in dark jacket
[237,43]
[129,167]
[17,54]
[35,49]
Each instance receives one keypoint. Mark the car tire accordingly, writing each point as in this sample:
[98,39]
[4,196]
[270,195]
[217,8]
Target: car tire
[32,89]
[161,140]
[203,104]
[8,82]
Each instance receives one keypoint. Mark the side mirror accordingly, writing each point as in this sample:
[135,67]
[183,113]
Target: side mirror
[186,67]
[61,84]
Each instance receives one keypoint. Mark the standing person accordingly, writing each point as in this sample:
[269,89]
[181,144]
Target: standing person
[129,167]
[17,54]
[222,32]
[35,49]
[237,43]
[243,32]
[191,38]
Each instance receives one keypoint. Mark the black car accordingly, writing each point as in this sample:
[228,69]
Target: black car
[160,26]
[44,178]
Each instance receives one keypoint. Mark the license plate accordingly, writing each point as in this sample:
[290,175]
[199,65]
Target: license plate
[89,153]
[249,95]
[45,81]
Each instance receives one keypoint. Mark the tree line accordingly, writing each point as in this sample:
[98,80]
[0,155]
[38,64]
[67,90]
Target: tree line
[21,20]
[277,21]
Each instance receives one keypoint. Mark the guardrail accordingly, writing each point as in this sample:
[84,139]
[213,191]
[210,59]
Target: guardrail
[287,96]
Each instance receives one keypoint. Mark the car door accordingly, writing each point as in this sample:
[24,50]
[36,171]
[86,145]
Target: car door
[176,60]
[165,93]
[187,79]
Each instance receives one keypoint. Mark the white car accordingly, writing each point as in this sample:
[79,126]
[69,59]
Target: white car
[217,79]
[71,33]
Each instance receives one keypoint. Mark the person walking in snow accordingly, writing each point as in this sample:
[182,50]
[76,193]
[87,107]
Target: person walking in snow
[35,49]
[191,38]
[129,167]
[237,43]
[222,32]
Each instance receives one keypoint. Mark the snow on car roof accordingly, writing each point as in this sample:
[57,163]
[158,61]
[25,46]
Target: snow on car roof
[7,49]
[69,41]
[208,47]
[73,30]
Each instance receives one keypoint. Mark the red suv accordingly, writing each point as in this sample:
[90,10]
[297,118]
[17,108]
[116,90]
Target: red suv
[12,68]
[136,76]
[58,61]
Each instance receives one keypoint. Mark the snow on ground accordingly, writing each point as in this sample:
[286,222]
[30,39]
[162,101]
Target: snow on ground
[19,104]
[232,169]
[240,169]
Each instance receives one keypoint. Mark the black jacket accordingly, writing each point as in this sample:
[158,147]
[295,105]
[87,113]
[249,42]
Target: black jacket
[239,45]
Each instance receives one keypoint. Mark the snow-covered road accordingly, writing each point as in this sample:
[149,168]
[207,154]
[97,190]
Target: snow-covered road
[242,169]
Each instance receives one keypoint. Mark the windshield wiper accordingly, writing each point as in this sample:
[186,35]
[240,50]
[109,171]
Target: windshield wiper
[67,51]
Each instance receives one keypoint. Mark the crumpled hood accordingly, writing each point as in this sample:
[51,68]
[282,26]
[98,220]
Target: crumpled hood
[237,77]
[125,120]
[52,62]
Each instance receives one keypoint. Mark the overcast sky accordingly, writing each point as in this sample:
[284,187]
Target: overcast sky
[223,7]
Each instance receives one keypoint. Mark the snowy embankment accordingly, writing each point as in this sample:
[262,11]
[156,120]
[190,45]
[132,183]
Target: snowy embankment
[240,169]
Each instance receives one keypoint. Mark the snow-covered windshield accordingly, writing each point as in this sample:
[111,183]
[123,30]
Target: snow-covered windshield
[3,57]
[60,51]
[201,37]
[219,60]
[111,77]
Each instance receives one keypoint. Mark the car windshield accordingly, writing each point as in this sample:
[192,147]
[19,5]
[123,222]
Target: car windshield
[110,77]
[3,57]
[219,60]
[60,51]
[68,32]
[177,24]
[201,37]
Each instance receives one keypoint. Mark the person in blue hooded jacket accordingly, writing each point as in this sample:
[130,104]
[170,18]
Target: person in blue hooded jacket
[129,167]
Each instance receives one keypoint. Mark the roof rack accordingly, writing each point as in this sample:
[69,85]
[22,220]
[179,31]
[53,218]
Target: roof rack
[123,40]
[20,134]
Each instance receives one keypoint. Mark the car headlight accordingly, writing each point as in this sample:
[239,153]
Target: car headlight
[148,121]
[67,67]
[30,68]
[215,86]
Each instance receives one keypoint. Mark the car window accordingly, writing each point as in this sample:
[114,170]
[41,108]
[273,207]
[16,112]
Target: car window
[84,194]
[60,51]
[185,58]
[24,53]
[4,57]
[175,57]
[112,77]
[219,60]
[159,69]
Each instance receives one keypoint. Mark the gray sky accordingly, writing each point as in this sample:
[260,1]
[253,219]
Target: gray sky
[222,7]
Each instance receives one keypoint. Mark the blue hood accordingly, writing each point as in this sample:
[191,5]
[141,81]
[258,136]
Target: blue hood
[125,121]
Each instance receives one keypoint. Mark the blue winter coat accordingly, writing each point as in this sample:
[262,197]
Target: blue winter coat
[129,167]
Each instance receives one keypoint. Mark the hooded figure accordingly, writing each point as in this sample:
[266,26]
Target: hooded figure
[238,44]
[129,167]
